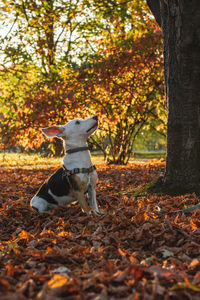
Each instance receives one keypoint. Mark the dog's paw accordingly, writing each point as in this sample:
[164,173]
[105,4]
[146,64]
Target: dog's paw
[35,208]
[99,213]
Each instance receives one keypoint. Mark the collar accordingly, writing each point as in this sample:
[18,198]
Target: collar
[79,170]
[77,150]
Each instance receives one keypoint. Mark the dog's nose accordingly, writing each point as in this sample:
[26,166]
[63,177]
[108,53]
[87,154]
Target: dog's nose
[95,118]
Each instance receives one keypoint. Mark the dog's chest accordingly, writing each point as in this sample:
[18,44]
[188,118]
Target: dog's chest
[83,180]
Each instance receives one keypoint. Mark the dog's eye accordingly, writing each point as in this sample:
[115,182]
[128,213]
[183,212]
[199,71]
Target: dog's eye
[77,122]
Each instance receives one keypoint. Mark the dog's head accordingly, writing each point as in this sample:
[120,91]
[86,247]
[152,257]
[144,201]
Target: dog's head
[76,130]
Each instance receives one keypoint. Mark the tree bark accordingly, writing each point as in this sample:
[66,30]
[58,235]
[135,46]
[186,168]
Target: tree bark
[183,142]
[154,6]
[182,62]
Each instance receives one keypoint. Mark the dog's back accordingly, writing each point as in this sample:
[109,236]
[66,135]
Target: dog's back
[57,190]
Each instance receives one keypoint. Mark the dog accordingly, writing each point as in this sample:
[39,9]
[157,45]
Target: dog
[77,176]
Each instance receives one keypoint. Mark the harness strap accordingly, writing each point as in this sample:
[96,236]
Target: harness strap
[89,185]
[79,170]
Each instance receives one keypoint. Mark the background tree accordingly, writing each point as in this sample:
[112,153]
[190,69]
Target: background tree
[41,39]
[127,76]
[127,88]
[45,30]
[180,22]
[89,57]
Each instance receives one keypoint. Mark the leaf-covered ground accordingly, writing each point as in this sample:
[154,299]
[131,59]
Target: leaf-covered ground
[133,252]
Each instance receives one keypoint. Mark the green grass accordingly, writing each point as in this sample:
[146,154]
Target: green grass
[35,160]
[23,159]
[150,154]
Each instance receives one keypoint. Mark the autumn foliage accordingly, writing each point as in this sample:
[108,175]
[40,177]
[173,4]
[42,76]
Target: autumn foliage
[107,62]
[133,252]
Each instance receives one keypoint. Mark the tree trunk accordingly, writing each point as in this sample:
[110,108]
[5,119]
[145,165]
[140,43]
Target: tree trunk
[180,21]
[183,89]
[49,32]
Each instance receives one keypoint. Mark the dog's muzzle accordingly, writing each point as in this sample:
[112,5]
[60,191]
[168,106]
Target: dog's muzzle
[94,126]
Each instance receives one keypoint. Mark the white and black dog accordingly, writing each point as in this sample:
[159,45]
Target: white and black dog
[77,176]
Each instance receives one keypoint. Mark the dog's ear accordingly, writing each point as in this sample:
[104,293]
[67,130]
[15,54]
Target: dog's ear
[53,131]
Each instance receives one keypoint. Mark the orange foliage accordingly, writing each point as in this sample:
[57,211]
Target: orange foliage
[65,253]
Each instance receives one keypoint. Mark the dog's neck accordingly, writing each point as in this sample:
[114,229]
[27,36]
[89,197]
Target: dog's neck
[81,159]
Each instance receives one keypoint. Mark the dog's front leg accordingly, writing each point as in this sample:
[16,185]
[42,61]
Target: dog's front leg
[80,197]
[93,200]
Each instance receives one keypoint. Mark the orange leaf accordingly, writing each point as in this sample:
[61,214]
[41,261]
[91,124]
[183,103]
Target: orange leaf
[57,281]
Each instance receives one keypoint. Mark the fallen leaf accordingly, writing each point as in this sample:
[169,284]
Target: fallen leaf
[166,253]
[57,281]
